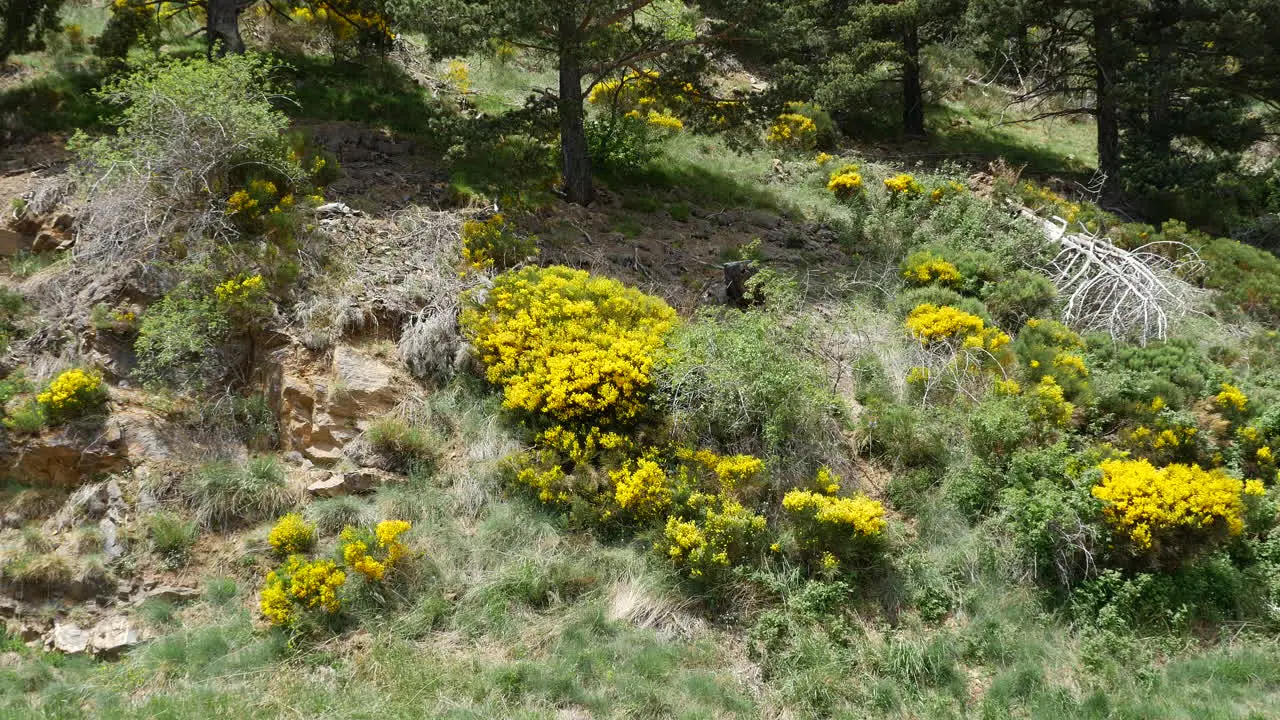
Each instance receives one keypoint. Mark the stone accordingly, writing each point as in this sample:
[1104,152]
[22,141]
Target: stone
[111,546]
[366,479]
[171,593]
[353,482]
[46,242]
[365,385]
[112,635]
[65,456]
[69,639]
[63,222]
[11,242]
[331,486]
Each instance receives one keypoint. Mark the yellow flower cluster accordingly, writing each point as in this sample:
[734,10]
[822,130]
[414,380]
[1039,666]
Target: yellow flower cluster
[309,585]
[573,346]
[823,158]
[945,190]
[727,531]
[642,489]
[355,545]
[924,267]
[580,446]
[1042,198]
[292,535]
[903,185]
[1050,404]
[1232,397]
[638,95]
[343,19]
[932,324]
[1151,505]
[731,472]
[1008,386]
[1071,363]
[860,515]
[71,392]
[845,183]
[792,131]
[239,292]
[486,243]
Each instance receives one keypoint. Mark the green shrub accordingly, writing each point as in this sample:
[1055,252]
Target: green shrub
[745,381]
[905,437]
[224,494]
[29,417]
[1247,278]
[179,339]
[620,146]
[11,304]
[825,133]
[330,515]
[998,427]
[172,535]
[1127,375]
[1020,296]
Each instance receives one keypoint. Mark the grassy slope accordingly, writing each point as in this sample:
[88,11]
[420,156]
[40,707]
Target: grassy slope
[517,617]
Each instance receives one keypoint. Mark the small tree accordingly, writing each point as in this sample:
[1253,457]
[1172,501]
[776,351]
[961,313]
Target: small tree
[24,22]
[590,41]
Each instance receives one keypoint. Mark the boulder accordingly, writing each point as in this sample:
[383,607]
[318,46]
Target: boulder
[352,482]
[68,638]
[364,385]
[171,593]
[114,634]
[46,242]
[11,242]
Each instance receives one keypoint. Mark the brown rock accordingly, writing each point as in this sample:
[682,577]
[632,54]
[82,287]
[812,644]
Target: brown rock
[46,242]
[65,456]
[11,242]
[331,486]
[113,635]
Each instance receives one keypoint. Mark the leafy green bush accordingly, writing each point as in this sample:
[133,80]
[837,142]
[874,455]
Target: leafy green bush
[224,494]
[745,381]
[1176,371]
[998,427]
[190,134]
[10,308]
[620,145]
[904,436]
[179,339]
[1020,296]
[1248,279]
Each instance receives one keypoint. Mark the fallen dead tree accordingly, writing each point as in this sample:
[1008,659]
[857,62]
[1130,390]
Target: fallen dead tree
[1130,294]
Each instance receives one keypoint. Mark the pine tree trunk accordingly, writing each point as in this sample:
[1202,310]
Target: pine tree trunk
[573,135]
[1107,66]
[912,90]
[222,27]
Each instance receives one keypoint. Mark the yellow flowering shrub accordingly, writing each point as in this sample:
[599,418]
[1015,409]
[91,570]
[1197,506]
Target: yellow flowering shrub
[244,297]
[374,554]
[1047,347]
[1172,508]
[568,344]
[1049,404]
[292,535]
[792,132]
[717,534]
[925,268]
[823,158]
[1232,398]
[70,394]
[845,183]
[642,95]
[951,188]
[932,324]
[301,585]
[492,243]
[903,185]
[1166,438]
[642,488]
[837,526]
[346,21]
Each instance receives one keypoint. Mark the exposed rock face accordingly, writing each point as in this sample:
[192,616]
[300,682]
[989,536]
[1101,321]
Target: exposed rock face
[65,456]
[352,482]
[319,416]
[108,637]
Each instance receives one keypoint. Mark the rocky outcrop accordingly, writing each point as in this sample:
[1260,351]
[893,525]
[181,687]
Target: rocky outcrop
[65,456]
[320,415]
[108,637]
[352,482]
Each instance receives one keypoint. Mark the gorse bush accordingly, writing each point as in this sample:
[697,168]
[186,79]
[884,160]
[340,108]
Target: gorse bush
[830,526]
[292,535]
[493,243]
[374,553]
[1173,510]
[71,394]
[569,345]
[178,340]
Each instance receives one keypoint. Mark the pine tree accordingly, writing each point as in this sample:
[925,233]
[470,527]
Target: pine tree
[23,23]
[589,40]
